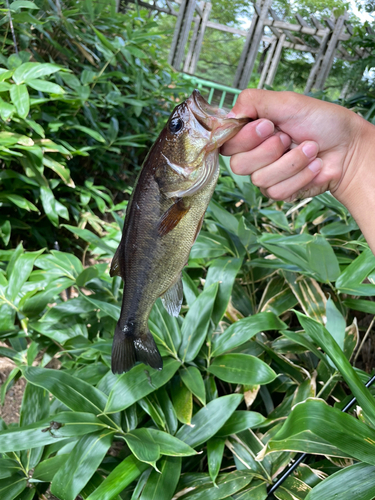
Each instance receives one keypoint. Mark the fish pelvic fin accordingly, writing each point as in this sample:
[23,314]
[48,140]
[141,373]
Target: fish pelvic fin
[130,346]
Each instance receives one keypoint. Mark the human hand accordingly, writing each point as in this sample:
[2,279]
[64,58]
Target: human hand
[297,146]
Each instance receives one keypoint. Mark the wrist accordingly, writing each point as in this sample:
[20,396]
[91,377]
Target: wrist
[357,188]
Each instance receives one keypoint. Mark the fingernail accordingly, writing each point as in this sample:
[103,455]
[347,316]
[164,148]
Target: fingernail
[286,140]
[316,165]
[265,128]
[231,115]
[310,149]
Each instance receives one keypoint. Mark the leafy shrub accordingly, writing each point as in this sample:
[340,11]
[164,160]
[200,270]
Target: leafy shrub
[79,105]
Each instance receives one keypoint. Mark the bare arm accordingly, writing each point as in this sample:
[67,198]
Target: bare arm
[299,147]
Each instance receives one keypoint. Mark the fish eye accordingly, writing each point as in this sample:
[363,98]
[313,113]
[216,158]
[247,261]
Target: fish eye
[175,125]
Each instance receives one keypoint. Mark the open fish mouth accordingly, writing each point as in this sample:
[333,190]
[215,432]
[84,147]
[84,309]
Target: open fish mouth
[214,119]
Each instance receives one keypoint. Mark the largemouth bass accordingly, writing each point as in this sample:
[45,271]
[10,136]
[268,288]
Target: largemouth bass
[163,219]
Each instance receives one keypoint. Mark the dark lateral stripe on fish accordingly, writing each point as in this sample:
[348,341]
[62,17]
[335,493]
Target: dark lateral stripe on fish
[172,217]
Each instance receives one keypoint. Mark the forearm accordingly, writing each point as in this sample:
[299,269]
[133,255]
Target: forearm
[359,193]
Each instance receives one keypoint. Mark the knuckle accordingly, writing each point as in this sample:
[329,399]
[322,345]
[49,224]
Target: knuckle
[257,179]
[275,193]
[234,164]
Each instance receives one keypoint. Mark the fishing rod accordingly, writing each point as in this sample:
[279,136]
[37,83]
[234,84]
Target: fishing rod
[302,457]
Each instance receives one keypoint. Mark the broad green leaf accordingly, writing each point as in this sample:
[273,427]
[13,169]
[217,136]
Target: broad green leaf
[335,323]
[210,246]
[95,135]
[170,445]
[21,272]
[182,402]
[309,295]
[11,487]
[226,485]
[314,427]
[49,204]
[195,326]
[81,464]
[59,169]
[243,330]
[143,446]
[45,86]
[20,98]
[46,470]
[138,383]
[322,259]
[223,270]
[215,451]
[8,467]
[366,306]
[225,218]
[35,405]
[42,432]
[90,237]
[277,217]
[242,369]
[240,421]
[33,70]
[326,342]
[162,485]
[124,474]
[22,4]
[256,491]
[354,482]
[292,488]
[193,380]
[165,327]
[207,421]
[73,392]
[351,280]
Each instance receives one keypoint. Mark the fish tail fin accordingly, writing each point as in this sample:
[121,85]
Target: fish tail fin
[132,346]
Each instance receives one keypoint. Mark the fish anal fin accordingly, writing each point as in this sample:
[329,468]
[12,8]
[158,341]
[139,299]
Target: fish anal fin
[172,217]
[172,298]
[115,264]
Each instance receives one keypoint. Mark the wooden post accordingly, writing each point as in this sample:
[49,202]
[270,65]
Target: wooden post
[324,59]
[275,60]
[181,33]
[196,42]
[267,63]
[251,47]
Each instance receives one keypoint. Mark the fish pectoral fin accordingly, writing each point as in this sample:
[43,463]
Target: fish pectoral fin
[172,217]
[115,264]
[172,298]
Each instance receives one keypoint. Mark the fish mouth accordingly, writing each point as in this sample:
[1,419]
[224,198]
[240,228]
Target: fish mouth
[214,119]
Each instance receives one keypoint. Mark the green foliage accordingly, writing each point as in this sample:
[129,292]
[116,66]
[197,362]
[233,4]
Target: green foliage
[94,94]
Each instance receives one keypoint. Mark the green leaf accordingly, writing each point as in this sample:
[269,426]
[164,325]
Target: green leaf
[223,270]
[351,280]
[314,427]
[22,4]
[182,402]
[44,86]
[143,446]
[322,259]
[49,204]
[240,421]
[21,272]
[20,98]
[81,464]
[225,218]
[193,380]
[33,70]
[326,342]
[38,434]
[95,135]
[243,330]
[242,369]
[73,392]
[138,383]
[46,470]
[207,421]
[196,323]
[11,487]
[215,451]
[123,475]
[59,169]
[162,485]
[165,327]
[354,482]
[335,323]
[226,485]
[170,445]
[90,237]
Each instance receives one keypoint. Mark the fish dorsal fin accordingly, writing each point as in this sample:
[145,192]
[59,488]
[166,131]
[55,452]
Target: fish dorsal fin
[203,176]
[115,264]
[172,298]
[172,217]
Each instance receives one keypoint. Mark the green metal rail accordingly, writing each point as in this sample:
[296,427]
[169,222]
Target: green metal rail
[210,87]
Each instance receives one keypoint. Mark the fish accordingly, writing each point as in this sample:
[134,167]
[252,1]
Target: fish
[163,219]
